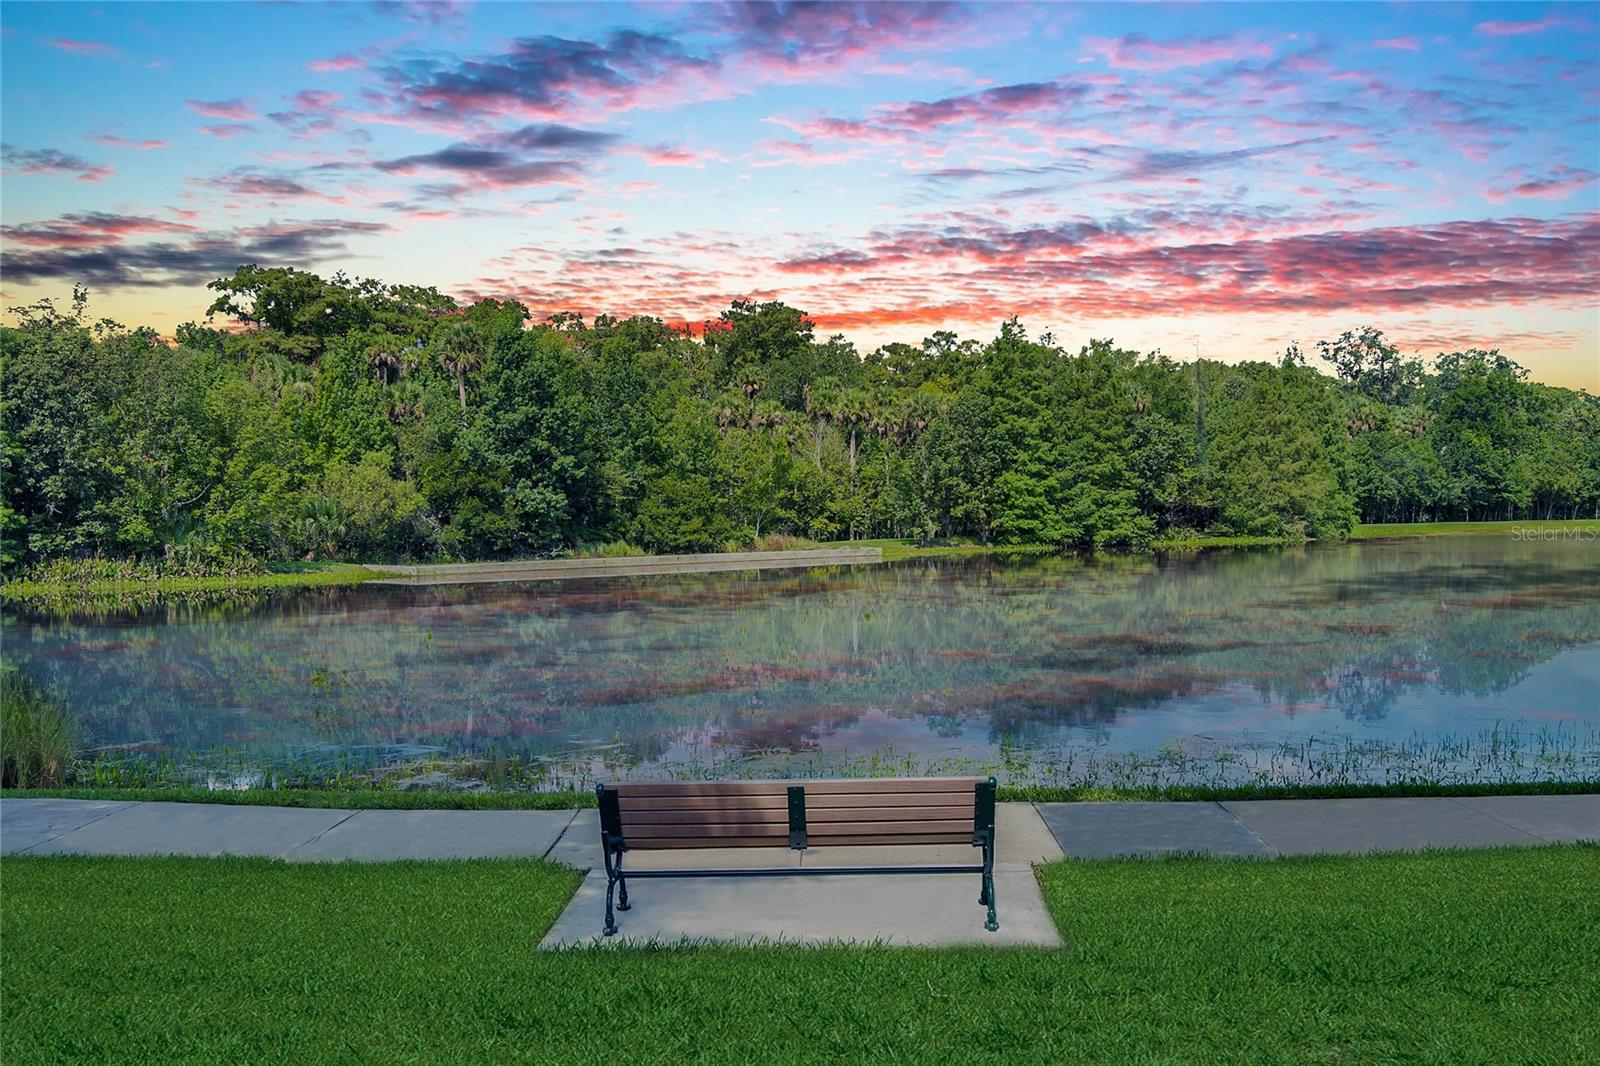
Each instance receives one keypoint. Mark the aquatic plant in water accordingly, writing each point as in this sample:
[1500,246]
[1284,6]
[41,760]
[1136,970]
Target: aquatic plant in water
[37,741]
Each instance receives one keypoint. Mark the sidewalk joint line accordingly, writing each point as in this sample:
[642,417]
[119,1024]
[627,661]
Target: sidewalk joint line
[1272,852]
[128,805]
[1485,814]
[322,833]
[560,836]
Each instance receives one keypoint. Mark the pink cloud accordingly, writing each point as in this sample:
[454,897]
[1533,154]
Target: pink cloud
[111,140]
[226,131]
[1499,28]
[234,110]
[342,61]
[777,153]
[1135,51]
[802,41]
[1560,183]
[666,155]
[1400,44]
[91,229]
[54,161]
[83,48]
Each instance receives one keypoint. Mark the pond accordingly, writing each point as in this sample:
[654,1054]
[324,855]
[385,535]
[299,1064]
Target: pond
[1448,659]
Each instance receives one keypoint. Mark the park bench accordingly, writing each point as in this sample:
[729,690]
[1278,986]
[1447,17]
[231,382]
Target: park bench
[795,814]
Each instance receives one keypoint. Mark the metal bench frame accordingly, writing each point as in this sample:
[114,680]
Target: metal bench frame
[613,843]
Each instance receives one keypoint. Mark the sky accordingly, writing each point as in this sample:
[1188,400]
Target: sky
[1218,180]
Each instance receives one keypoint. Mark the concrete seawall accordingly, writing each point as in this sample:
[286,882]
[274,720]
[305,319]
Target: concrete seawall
[626,566]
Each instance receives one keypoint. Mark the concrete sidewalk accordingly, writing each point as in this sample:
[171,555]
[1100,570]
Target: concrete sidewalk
[302,834]
[1268,828]
[925,910]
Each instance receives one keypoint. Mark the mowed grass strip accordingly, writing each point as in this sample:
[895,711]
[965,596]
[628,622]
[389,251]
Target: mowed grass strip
[1485,956]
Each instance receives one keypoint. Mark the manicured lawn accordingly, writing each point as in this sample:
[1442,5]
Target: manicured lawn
[1483,956]
[1576,526]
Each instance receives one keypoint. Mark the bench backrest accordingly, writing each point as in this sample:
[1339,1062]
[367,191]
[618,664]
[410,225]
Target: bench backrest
[777,814]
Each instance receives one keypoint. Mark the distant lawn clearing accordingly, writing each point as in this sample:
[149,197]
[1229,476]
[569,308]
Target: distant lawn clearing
[1483,956]
[1532,527]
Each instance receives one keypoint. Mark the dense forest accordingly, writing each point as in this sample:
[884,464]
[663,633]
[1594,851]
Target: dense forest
[343,418]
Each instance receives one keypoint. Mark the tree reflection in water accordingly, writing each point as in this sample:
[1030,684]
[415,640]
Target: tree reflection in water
[1028,665]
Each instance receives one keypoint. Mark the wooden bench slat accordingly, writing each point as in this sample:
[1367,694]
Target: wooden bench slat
[888,799]
[907,839]
[888,828]
[662,843]
[779,802]
[780,817]
[963,785]
[828,816]
[776,802]
[671,789]
[780,832]
[899,839]
[702,829]
[631,820]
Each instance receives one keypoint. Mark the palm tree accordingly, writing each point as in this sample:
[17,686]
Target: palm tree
[767,414]
[460,351]
[819,400]
[730,410]
[854,409]
[406,402]
[383,360]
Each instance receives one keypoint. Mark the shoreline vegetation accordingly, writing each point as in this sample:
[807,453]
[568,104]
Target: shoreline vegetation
[369,798]
[114,577]
[1501,760]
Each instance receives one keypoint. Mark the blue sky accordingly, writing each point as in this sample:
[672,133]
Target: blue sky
[1220,178]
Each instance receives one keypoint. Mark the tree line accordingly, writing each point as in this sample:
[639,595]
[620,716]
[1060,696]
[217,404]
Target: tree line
[344,418]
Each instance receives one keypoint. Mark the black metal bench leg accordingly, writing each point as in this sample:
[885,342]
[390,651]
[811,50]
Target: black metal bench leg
[992,923]
[613,875]
[611,919]
[622,886]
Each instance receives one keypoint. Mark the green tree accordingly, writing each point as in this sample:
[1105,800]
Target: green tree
[461,352]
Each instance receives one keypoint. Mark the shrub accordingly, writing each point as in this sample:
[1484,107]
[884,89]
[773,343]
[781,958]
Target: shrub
[178,563]
[36,735]
[782,542]
[616,549]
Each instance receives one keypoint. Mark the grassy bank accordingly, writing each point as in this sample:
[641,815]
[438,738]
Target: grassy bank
[392,799]
[897,550]
[277,576]
[1481,956]
[1584,528]
[295,575]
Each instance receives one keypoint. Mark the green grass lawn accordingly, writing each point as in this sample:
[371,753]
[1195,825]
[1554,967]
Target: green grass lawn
[1580,526]
[1482,956]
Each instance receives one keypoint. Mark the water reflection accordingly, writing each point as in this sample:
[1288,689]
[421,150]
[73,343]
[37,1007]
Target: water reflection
[947,659]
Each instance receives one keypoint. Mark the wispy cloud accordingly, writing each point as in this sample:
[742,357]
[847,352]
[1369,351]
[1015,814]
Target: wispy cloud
[235,110]
[192,260]
[83,48]
[340,62]
[111,140]
[1136,51]
[53,161]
